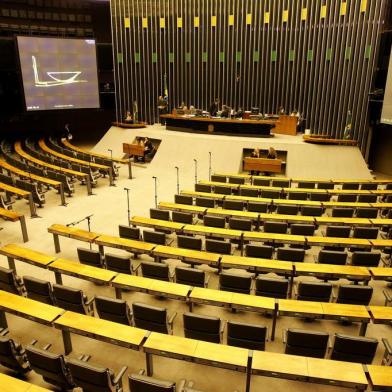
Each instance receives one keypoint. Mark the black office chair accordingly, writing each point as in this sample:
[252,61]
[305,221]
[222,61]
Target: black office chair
[350,186]
[240,224]
[312,211]
[214,221]
[325,185]
[203,188]
[338,231]
[281,183]
[261,181]
[371,186]
[122,264]
[233,205]
[297,195]
[314,291]
[154,237]
[39,290]
[90,257]
[249,336]
[154,270]
[306,184]
[271,287]
[342,212]
[13,356]
[236,283]
[184,241]
[52,367]
[306,343]
[156,213]
[270,194]
[332,257]
[290,254]
[354,295]
[205,202]
[275,227]
[367,198]
[365,212]
[257,207]
[347,198]
[249,192]
[365,232]
[237,180]
[152,318]
[131,233]
[94,378]
[222,190]
[302,229]
[287,209]
[182,199]
[217,178]
[354,349]
[10,282]
[319,196]
[72,299]
[260,251]
[191,276]
[366,258]
[216,246]
[182,217]
[207,328]
[142,383]
[116,310]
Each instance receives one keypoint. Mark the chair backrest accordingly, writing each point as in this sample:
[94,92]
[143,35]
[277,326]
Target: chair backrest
[248,336]
[222,190]
[182,217]
[202,327]
[307,343]
[183,199]
[237,180]
[369,186]
[154,237]
[257,207]
[118,263]
[150,317]
[367,198]
[338,231]
[275,227]
[354,349]
[319,196]
[342,212]
[51,367]
[270,194]
[214,221]
[302,229]
[332,257]
[190,276]
[205,202]
[249,192]
[91,378]
[354,295]
[346,197]
[314,291]
[132,233]
[140,383]
[8,281]
[234,282]
[312,211]
[281,183]
[216,246]
[297,195]
[240,224]
[350,186]
[365,258]
[184,241]
[69,298]
[233,205]
[325,185]
[156,213]
[261,182]
[116,310]
[12,355]
[260,251]
[365,212]
[217,178]
[290,254]
[287,209]
[203,188]
[272,287]
[154,270]
[306,184]
[365,232]
[39,290]
[90,257]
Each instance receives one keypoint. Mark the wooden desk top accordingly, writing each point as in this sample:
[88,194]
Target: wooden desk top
[182,207]
[123,243]
[73,232]
[133,282]
[28,308]
[236,175]
[206,230]
[248,198]
[322,220]
[177,290]
[26,255]
[11,384]
[211,295]
[348,204]
[297,202]
[381,376]
[269,363]
[256,263]
[381,221]
[150,222]
[23,173]
[261,187]
[300,307]
[95,154]
[331,269]
[349,191]
[357,312]
[47,149]
[287,218]
[380,273]
[232,213]
[252,302]
[380,243]
[262,236]
[381,314]
[336,372]
[12,189]
[96,328]
[203,194]
[307,190]
[187,254]
[74,268]
[381,205]
[338,241]
[10,215]
[219,183]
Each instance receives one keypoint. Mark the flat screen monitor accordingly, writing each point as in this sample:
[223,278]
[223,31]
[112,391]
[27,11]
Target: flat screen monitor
[58,73]
[255,110]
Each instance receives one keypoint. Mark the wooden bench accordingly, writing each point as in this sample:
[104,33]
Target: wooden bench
[263,165]
[21,193]
[14,217]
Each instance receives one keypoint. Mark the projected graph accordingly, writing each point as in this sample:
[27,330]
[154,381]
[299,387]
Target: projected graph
[57,76]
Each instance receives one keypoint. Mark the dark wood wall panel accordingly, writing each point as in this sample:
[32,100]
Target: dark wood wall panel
[313,56]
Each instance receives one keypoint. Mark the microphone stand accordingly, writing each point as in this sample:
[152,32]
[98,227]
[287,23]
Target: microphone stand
[156,193]
[209,168]
[195,160]
[88,218]
[111,172]
[129,210]
[178,179]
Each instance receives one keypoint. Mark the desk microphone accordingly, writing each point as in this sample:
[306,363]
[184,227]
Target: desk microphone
[89,216]
[153,177]
[176,167]
[127,189]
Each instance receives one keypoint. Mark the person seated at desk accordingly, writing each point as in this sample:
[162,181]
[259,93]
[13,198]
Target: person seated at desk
[225,111]
[255,154]
[239,113]
[128,118]
[162,107]
[214,108]
[272,153]
[148,148]
[281,110]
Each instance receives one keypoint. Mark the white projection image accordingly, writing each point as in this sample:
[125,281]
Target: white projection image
[58,73]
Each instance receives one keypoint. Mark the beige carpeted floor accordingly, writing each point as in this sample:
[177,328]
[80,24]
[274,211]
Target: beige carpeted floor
[109,208]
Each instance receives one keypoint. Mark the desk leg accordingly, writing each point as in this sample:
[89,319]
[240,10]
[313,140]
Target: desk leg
[101,250]
[56,241]
[58,277]
[362,330]
[291,284]
[33,210]
[24,229]
[242,244]
[248,370]
[111,178]
[88,184]
[67,342]
[62,196]
[129,169]
[190,305]
[3,320]
[274,320]
[11,263]
[149,365]
[118,293]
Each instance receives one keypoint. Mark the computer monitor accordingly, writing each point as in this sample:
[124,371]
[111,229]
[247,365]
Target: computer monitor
[255,110]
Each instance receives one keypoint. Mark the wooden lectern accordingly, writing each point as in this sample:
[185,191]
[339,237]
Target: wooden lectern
[133,149]
[263,164]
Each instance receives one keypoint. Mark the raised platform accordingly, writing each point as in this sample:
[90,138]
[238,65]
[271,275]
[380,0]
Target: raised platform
[128,125]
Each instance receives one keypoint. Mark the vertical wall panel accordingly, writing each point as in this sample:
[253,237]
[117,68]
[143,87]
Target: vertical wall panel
[262,53]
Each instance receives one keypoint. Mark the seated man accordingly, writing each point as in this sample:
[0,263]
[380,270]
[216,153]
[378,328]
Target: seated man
[225,111]
[148,148]
[128,118]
